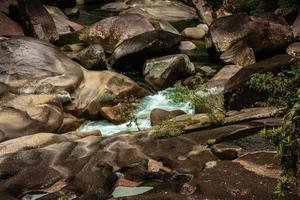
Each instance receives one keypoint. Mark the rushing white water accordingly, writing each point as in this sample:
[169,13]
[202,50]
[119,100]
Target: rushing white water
[145,106]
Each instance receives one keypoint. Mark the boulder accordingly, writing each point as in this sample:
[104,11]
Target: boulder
[196,33]
[144,46]
[130,34]
[165,71]
[91,57]
[186,46]
[11,27]
[36,20]
[263,34]
[112,114]
[100,89]
[30,66]
[159,115]
[171,11]
[112,31]
[62,23]
[5,5]
[296,27]
[239,54]
[272,64]
[29,114]
[205,10]
[294,50]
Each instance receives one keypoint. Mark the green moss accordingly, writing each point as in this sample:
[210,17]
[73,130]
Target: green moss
[166,129]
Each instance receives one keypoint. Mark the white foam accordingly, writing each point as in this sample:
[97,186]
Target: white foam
[144,108]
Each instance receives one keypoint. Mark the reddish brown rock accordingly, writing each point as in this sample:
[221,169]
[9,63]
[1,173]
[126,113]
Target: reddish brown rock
[11,27]
[36,20]
[159,115]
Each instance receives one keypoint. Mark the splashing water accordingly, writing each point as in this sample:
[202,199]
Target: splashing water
[144,108]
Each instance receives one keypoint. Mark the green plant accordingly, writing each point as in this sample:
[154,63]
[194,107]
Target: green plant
[182,93]
[280,87]
[167,128]
[127,110]
[286,139]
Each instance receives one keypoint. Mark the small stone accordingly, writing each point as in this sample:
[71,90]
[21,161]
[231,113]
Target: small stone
[187,189]
[71,12]
[203,27]
[186,46]
[294,50]
[194,33]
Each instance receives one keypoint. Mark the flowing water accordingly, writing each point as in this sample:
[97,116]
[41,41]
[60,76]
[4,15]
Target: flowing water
[143,110]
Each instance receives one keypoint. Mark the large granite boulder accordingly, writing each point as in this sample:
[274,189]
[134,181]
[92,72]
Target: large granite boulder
[29,114]
[171,11]
[263,34]
[99,89]
[62,23]
[163,72]
[36,21]
[129,34]
[112,31]
[28,65]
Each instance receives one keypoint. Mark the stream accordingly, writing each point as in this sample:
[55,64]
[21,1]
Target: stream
[143,111]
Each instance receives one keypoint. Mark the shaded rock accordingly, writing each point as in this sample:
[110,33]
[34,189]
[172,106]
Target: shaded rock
[30,114]
[159,115]
[294,50]
[272,64]
[165,71]
[222,12]
[11,27]
[186,46]
[5,5]
[205,10]
[222,34]
[171,11]
[112,31]
[62,23]
[91,57]
[193,82]
[239,54]
[223,76]
[206,70]
[194,32]
[71,12]
[36,20]
[144,46]
[73,47]
[296,27]
[99,89]
[29,65]
[262,33]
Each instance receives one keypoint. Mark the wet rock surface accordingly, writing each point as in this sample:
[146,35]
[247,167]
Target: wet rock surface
[165,71]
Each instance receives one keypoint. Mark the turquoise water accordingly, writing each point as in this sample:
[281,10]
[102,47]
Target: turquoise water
[144,108]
